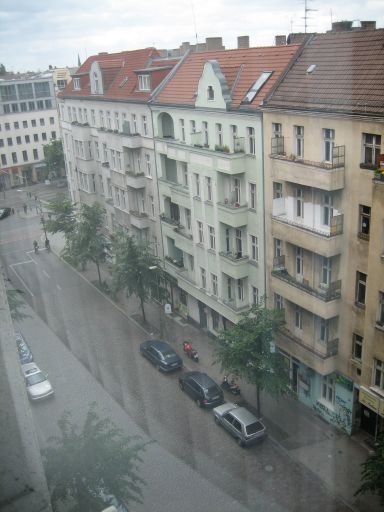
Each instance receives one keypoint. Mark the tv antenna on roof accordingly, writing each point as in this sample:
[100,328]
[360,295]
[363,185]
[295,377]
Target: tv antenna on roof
[306,17]
[194,22]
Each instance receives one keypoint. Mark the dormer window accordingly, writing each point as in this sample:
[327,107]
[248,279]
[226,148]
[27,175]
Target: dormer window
[144,84]
[96,83]
[76,84]
[210,93]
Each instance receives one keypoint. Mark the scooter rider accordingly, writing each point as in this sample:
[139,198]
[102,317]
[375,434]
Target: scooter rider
[35,246]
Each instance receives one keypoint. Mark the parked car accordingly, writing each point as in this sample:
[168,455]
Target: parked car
[161,355]
[25,353]
[240,423]
[202,389]
[4,212]
[38,385]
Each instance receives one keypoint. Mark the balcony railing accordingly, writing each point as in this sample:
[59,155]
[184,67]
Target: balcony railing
[169,220]
[278,152]
[335,225]
[331,347]
[234,256]
[174,261]
[332,292]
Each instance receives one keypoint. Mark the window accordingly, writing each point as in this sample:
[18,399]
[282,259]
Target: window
[203,276]
[15,107]
[328,141]
[18,140]
[205,134]
[25,156]
[14,158]
[97,151]
[257,86]
[278,302]
[210,93]
[27,139]
[324,330]
[277,249]
[327,209]
[144,83]
[76,84]
[298,149]
[364,221]
[215,289]
[134,123]
[2,142]
[113,159]
[31,105]
[182,129]
[3,159]
[7,109]
[16,125]
[25,124]
[240,289]
[378,373]
[236,191]
[42,89]
[118,160]
[252,196]
[380,316]
[184,171]
[219,134]
[61,84]
[9,141]
[277,190]
[357,347]
[197,185]
[298,318]
[101,118]
[255,295]
[193,126]
[36,137]
[191,261]
[23,107]
[215,320]
[371,148]
[299,261]
[108,117]
[200,230]
[208,185]
[35,154]
[44,136]
[276,130]
[148,164]
[42,122]
[254,248]
[105,152]
[144,124]
[328,388]
[361,282]
[7,127]
[251,140]
[53,135]
[188,218]
[234,136]
[51,120]
[326,269]
[299,203]
[93,118]
[239,243]
[117,121]
[212,237]
[152,206]
[80,115]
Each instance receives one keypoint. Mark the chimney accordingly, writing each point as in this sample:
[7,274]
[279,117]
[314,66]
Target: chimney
[185,46]
[214,43]
[280,40]
[368,25]
[341,26]
[242,42]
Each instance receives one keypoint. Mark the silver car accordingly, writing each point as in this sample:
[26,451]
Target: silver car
[38,386]
[241,423]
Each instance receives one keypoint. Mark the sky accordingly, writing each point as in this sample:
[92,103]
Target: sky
[37,33]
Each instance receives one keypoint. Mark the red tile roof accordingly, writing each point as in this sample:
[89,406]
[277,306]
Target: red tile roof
[240,67]
[115,68]
[348,76]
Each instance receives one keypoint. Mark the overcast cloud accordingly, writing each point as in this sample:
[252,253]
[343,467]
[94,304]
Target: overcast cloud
[37,33]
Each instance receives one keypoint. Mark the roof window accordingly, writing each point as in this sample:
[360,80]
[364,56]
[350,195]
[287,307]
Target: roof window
[76,84]
[257,86]
[210,93]
[123,82]
[144,83]
[311,69]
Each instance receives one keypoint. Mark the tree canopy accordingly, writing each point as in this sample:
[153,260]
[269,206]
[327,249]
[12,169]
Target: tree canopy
[136,270]
[16,304]
[61,213]
[82,465]
[372,474]
[247,350]
[54,157]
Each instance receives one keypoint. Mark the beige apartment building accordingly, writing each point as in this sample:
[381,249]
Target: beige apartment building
[323,129]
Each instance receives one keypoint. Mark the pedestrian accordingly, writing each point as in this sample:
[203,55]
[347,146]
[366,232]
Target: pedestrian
[25,208]
[13,211]
[35,198]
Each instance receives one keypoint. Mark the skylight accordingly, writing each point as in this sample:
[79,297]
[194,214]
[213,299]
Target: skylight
[257,86]
[124,81]
[311,68]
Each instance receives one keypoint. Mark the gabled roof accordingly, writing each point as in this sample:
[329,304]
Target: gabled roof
[348,75]
[241,68]
[119,77]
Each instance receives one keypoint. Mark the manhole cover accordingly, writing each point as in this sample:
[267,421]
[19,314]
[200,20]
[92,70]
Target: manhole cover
[268,468]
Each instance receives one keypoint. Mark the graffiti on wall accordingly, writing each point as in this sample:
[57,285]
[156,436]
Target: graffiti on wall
[341,417]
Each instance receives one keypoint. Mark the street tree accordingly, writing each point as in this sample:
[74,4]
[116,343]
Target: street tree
[136,270]
[61,215]
[54,157]
[83,465]
[3,71]
[16,304]
[372,474]
[247,350]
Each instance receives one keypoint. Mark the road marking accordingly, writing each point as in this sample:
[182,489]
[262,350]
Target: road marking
[46,273]
[22,280]
[58,287]
[23,262]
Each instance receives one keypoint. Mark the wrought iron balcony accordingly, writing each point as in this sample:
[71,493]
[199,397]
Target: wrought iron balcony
[332,292]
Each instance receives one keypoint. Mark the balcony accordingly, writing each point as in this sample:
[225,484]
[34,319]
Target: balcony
[183,239]
[135,180]
[131,141]
[139,220]
[311,238]
[319,301]
[234,215]
[322,175]
[320,357]
[234,265]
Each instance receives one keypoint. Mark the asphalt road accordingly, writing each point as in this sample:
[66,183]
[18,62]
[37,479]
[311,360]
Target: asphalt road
[90,349]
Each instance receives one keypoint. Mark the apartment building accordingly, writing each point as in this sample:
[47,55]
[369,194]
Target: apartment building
[28,121]
[323,130]
[208,141]
[108,138]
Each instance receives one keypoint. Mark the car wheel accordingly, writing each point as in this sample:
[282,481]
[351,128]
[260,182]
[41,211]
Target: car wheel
[181,385]
[217,420]
[198,403]
[158,367]
[240,442]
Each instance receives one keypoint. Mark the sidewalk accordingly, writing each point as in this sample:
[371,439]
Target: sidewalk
[328,454]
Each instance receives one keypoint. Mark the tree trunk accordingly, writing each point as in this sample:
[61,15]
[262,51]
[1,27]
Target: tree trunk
[258,405]
[98,272]
[142,309]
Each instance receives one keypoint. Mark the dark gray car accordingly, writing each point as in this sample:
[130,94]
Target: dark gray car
[204,391]
[161,355]
[240,423]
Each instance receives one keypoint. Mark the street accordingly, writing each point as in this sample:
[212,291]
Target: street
[89,347]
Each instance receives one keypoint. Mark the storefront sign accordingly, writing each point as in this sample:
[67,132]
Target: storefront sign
[368,399]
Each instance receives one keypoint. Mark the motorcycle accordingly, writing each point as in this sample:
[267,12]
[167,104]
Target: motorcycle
[190,352]
[230,386]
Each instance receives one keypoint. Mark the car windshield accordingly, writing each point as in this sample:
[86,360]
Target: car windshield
[36,378]
[254,427]
[169,354]
[212,391]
